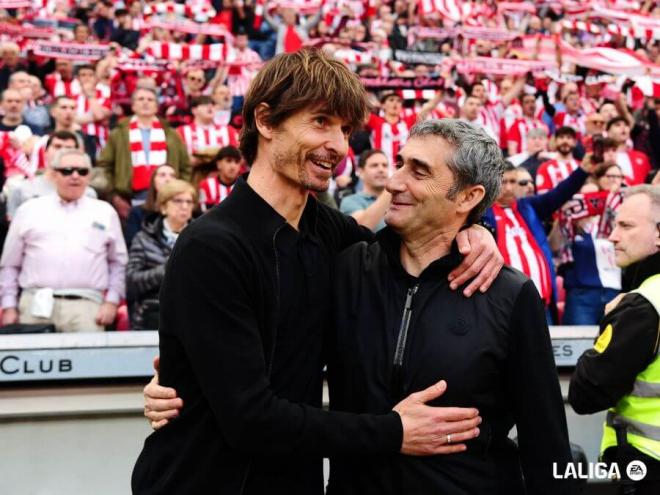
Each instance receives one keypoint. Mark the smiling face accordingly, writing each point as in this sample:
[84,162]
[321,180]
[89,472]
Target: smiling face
[307,147]
[419,188]
[635,234]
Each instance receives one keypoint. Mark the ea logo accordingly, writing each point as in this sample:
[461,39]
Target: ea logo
[636,470]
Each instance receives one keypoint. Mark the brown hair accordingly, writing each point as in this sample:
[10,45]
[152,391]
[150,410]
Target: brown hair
[292,82]
[174,187]
[150,203]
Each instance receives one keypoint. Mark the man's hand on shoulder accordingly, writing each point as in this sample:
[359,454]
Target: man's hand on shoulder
[482,261]
[431,430]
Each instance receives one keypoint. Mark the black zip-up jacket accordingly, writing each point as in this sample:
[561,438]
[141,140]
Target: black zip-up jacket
[397,334]
[240,430]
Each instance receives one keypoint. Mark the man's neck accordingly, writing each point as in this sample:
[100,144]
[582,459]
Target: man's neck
[622,146]
[145,121]
[392,118]
[417,254]
[203,123]
[61,127]
[286,197]
[372,191]
[10,121]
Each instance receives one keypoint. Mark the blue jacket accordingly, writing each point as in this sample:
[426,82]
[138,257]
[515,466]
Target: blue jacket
[535,209]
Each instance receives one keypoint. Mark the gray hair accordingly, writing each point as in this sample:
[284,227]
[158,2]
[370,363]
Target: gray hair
[142,87]
[652,192]
[57,160]
[476,159]
[536,132]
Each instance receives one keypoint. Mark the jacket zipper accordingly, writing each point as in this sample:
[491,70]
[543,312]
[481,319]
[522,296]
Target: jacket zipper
[403,330]
[272,352]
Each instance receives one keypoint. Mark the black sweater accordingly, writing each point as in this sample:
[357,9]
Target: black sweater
[493,350]
[236,344]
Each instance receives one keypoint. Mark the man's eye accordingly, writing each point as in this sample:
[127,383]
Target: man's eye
[398,165]
[321,120]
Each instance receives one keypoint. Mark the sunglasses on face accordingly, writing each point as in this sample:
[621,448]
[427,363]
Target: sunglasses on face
[67,171]
[524,182]
[614,176]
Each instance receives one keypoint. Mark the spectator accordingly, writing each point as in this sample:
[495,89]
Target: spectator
[291,32]
[635,164]
[536,154]
[203,134]
[124,34]
[65,254]
[35,113]
[518,132]
[93,106]
[368,207]
[389,132]
[44,183]
[552,172]
[591,277]
[147,211]
[104,24]
[572,116]
[137,146]
[525,187]
[152,246]
[519,231]
[222,103]
[215,189]
[63,112]
[15,134]
[10,63]
[62,82]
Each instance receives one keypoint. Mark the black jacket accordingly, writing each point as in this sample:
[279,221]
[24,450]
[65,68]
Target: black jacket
[146,268]
[493,350]
[241,431]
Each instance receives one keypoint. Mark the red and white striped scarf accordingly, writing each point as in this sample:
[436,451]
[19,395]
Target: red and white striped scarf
[143,168]
[216,52]
[198,137]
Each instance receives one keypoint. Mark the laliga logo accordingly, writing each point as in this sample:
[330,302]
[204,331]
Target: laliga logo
[636,471]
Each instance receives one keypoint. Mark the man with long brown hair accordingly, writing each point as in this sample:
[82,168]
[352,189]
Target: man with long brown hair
[246,305]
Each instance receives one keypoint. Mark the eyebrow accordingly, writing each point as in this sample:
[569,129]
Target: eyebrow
[416,162]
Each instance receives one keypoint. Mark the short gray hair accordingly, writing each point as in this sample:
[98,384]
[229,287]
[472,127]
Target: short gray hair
[57,160]
[652,192]
[476,159]
[142,87]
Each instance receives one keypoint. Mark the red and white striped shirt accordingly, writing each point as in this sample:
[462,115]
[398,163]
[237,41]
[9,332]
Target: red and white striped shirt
[213,192]
[198,137]
[57,87]
[519,130]
[389,138]
[635,166]
[577,122]
[520,250]
[552,172]
[490,119]
[97,128]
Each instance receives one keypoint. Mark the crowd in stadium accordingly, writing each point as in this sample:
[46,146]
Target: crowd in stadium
[120,123]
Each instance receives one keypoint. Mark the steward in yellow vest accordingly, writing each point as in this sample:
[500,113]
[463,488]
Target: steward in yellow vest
[622,371]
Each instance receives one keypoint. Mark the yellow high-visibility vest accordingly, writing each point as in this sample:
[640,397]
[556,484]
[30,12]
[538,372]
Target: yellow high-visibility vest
[639,411]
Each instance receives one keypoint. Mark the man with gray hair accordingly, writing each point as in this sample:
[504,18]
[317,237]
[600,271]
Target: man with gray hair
[622,371]
[394,333]
[64,257]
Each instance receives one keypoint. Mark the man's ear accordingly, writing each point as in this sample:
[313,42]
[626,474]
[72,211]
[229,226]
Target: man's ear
[469,197]
[261,114]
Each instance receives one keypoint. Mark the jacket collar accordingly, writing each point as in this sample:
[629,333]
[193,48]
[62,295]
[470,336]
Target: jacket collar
[259,220]
[635,274]
[437,270]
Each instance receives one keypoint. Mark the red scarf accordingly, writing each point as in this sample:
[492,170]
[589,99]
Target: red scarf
[292,40]
[142,169]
